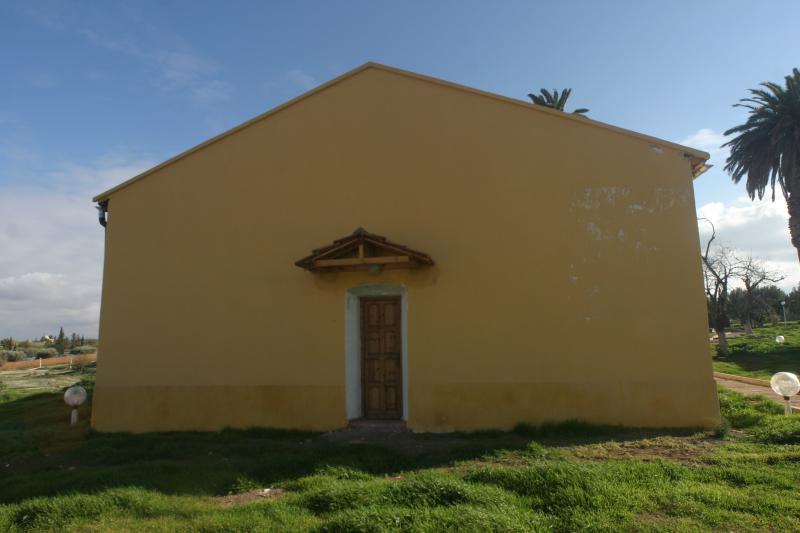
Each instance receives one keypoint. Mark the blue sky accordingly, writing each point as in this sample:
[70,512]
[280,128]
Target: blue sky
[95,92]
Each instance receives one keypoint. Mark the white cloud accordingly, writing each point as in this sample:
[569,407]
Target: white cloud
[52,249]
[211,91]
[195,74]
[178,69]
[40,80]
[301,79]
[95,178]
[125,46]
[758,228]
[709,141]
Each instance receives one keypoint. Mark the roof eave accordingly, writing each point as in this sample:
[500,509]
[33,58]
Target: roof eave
[699,164]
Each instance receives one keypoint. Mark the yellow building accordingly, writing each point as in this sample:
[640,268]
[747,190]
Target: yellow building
[509,264]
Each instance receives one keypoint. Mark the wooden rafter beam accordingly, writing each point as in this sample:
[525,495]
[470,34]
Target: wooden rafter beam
[352,261]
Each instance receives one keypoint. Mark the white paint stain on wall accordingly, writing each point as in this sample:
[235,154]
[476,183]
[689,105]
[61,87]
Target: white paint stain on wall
[595,197]
[591,203]
[594,231]
[657,199]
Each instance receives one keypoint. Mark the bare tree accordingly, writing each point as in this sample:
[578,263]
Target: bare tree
[720,267]
[752,273]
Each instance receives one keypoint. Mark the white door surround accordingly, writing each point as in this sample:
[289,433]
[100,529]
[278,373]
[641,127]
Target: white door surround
[352,342]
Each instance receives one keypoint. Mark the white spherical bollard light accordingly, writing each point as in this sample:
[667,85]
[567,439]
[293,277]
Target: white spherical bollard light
[74,397]
[780,339]
[787,385]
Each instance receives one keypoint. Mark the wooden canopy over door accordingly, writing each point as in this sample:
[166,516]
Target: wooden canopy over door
[381,358]
[363,250]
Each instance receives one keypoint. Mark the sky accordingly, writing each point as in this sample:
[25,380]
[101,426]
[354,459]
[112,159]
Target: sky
[93,93]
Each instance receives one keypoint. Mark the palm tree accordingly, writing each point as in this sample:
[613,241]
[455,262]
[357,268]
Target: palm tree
[554,100]
[766,148]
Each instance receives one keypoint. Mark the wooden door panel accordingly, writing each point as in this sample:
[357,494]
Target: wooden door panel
[388,309]
[391,371]
[374,400]
[391,344]
[391,398]
[381,357]
[373,343]
[373,314]
[373,371]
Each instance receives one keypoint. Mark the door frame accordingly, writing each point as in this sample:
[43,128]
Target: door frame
[352,343]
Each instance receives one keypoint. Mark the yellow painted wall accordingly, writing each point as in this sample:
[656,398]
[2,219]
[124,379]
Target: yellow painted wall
[567,282]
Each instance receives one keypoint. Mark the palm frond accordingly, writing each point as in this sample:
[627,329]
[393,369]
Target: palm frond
[554,99]
[766,148]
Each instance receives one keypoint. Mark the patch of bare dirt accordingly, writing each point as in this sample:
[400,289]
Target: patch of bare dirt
[250,496]
[638,444]
[692,449]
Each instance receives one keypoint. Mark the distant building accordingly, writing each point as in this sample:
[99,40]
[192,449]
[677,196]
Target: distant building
[509,264]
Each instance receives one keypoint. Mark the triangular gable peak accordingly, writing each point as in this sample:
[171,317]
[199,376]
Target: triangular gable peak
[363,250]
[696,157]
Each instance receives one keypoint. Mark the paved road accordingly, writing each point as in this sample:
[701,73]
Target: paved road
[747,388]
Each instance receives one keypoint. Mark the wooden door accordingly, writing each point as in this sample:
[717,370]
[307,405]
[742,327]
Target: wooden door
[381,354]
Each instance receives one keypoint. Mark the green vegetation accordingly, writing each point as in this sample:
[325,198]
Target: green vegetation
[80,350]
[44,353]
[12,355]
[763,418]
[555,101]
[759,356]
[46,346]
[761,305]
[560,477]
[764,149]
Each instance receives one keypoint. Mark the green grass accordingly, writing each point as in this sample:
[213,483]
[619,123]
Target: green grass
[759,356]
[561,477]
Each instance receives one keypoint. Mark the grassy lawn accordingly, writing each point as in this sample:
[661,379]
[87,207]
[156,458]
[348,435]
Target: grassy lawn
[759,356]
[557,478]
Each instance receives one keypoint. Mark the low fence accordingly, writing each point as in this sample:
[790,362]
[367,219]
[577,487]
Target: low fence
[51,361]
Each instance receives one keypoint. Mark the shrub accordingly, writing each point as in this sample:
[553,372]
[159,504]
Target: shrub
[343,473]
[80,350]
[722,430]
[44,353]
[244,484]
[745,411]
[11,355]
[778,430]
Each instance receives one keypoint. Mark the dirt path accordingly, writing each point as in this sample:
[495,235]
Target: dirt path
[51,361]
[748,388]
